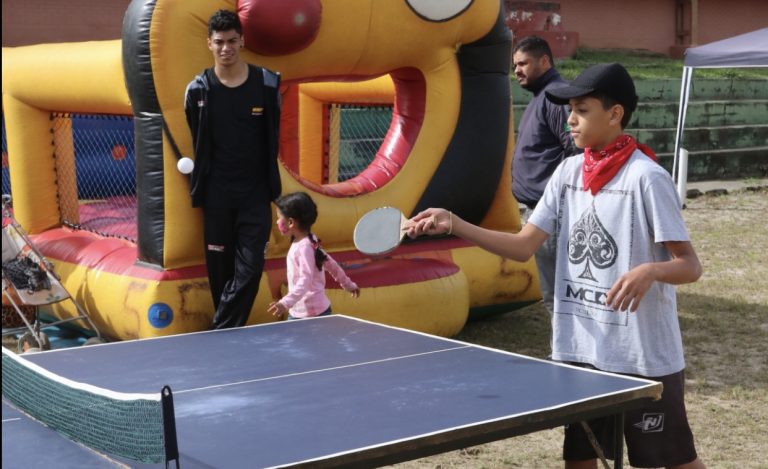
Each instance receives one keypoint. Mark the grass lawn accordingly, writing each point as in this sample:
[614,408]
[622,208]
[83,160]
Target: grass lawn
[646,65]
[724,320]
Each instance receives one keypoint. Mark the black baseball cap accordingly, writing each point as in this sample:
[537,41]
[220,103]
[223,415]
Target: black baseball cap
[612,80]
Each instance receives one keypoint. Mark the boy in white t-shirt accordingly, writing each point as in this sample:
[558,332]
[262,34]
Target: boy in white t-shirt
[621,246]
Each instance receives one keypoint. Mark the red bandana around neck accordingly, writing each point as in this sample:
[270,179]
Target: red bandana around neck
[600,167]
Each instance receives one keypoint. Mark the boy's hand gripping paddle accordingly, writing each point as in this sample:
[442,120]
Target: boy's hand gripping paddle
[380,231]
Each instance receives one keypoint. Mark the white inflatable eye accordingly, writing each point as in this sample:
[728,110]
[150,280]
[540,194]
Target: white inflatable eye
[438,10]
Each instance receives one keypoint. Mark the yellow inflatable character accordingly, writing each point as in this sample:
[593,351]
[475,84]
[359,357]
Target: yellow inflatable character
[444,66]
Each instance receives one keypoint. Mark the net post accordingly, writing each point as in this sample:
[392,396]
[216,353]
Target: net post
[169,427]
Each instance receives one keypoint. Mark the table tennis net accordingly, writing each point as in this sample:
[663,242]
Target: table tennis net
[127,425]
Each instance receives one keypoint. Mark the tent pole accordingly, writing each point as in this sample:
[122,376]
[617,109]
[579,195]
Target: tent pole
[682,176]
[683,179]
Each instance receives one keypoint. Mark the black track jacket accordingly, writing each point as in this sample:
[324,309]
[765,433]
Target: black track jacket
[196,110]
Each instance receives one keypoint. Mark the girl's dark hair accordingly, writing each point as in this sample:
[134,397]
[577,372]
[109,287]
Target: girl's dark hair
[301,207]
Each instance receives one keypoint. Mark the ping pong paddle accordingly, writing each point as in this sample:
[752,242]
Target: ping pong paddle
[380,231]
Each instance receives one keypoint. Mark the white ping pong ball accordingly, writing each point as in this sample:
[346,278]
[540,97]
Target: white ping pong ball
[185,165]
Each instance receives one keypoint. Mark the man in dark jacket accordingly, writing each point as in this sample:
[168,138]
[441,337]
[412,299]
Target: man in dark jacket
[543,141]
[233,112]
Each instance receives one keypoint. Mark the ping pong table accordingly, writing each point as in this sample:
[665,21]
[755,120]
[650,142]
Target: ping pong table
[332,391]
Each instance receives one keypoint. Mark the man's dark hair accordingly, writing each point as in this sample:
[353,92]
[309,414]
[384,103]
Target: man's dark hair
[224,20]
[609,102]
[535,46]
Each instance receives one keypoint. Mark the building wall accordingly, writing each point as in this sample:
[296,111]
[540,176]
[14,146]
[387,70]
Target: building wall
[650,24]
[44,21]
[720,19]
[641,24]
[646,24]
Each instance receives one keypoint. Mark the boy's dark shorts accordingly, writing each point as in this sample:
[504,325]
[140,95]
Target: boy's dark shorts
[657,435]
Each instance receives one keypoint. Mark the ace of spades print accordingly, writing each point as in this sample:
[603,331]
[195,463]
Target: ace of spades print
[589,242]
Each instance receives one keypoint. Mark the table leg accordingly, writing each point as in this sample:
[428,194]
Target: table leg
[618,440]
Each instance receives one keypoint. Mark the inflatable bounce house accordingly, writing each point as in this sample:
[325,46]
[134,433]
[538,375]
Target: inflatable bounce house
[435,71]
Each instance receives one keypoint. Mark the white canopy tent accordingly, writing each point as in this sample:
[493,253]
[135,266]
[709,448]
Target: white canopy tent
[745,50]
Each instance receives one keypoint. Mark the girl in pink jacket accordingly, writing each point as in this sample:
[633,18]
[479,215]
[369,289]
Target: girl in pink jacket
[306,262]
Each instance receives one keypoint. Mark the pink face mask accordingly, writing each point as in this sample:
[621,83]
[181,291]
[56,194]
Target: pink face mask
[282,225]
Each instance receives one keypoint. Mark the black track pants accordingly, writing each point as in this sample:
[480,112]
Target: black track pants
[235,242]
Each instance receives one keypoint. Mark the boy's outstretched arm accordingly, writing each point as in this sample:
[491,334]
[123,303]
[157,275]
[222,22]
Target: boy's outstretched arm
[516,246]
[629,289]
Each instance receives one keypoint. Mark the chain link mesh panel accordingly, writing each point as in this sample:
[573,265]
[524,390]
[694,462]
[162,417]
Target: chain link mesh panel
[96,172]
[96,165]
[355,135]
[6,173]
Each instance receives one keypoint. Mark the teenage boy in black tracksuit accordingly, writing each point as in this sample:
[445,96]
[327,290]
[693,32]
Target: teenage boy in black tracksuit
[233,112]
